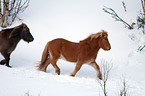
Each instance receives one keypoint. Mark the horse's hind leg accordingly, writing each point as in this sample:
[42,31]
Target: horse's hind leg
[57,69]
[7,58]
[3,62]
[43,67]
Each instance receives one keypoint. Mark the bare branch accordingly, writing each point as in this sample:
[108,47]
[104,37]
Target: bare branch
[141,48]
[143,6]
[116,17]
[12,4]
[124,6]
[124,90]
[105,69]
[14,8]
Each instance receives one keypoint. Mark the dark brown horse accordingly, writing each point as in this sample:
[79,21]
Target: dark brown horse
[83,52]
[9,39]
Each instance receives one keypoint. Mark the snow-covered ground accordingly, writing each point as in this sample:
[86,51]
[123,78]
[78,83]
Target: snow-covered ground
[73,20]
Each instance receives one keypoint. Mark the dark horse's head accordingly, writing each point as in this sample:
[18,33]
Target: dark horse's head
[23,32]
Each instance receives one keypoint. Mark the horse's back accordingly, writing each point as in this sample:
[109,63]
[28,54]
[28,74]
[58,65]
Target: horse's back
[61,44]
[63,48]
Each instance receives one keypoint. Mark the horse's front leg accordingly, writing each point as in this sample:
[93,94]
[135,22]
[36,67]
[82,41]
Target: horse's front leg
[97,68]
[7,58]
[77,68]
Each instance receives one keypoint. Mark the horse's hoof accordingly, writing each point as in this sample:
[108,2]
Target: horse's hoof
[72,75]
[100,78]
[1,63]
[9,66]
[41,70]
[58,73]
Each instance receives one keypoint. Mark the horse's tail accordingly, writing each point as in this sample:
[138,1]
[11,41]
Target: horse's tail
[44,58]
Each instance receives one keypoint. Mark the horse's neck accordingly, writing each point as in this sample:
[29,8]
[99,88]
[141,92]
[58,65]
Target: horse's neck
[94,46]
[14,41]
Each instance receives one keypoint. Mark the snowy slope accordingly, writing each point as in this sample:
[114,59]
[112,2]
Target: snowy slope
[73,20]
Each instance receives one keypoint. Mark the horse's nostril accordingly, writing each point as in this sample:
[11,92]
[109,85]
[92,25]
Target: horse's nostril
[109,49]
[31,39]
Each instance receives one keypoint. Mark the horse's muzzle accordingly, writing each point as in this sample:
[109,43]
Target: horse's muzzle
[108,49]
[31,39]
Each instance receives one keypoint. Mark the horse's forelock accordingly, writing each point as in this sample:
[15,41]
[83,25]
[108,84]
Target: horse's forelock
[99,34]
[92,36]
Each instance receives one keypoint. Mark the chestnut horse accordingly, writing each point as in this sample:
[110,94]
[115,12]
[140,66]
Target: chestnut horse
[9,39]
[83,52]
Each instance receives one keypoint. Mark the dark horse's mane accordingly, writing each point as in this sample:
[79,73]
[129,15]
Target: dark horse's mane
[10,29]
[93,36]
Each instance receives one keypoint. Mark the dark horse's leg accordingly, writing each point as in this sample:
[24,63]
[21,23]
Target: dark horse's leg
[7,58]
[3,62]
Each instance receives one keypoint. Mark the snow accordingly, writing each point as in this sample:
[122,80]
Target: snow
[73,20]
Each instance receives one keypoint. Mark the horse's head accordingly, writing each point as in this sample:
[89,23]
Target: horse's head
[101,38]
[103,41]
[25,34]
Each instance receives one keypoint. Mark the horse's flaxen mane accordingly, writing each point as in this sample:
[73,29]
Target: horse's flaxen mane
[96,35]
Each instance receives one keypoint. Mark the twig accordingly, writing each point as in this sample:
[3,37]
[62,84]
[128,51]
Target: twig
[123,91]
[143,7]
[106,68]
[115,15]
[141,48]
[124,6]
[14,8]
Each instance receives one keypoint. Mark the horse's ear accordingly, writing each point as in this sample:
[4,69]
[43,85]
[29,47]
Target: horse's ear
[100,35]
[24,25]
[103,34]
[15,32]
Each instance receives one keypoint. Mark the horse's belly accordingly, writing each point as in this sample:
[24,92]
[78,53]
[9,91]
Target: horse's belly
[68,58]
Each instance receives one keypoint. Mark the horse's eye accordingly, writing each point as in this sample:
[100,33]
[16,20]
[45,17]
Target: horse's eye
[105,38]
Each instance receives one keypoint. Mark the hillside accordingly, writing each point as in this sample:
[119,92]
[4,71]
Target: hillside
[73,20]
